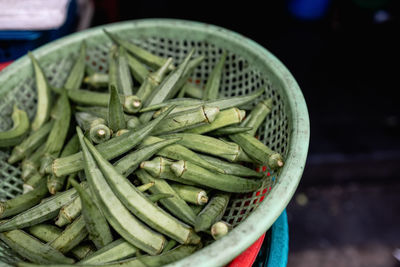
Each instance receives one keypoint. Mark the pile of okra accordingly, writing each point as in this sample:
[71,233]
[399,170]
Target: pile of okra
[137,168]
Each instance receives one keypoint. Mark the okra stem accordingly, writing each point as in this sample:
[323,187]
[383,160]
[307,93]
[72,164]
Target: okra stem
[191,194]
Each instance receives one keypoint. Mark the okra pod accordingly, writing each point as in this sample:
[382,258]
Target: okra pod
[258,151]
[220,229]
[69,212]
[157,197]
[129,163]
[170,245]
[228,130]
[20,128]
[96,223]
[211,89]
[166,89]
[145,187]
[94,127]
[116,119]
[23,202]
[203,115]
[224,118]
[193,90]
[119,217]
[212,146]
[113,68]
[192,65]
[213,212]
[141,206]
[124,74]
[33,182]
[117,250]
[133,123]
[71,236]
[101,112]
[138,70]
[109,149]
[152,81]
[179,152]
[196,209]
[142,54]
[55,140]
[97,80]
[175,205]
[232,168]
[224,182]
[75,77]
[32,249]
[258,115]
[176,101]
[32,142]
[31,164]
[43,95]
[191,194]
[44,211]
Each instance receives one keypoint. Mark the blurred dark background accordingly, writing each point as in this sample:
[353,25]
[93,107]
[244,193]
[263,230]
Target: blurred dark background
[345,57]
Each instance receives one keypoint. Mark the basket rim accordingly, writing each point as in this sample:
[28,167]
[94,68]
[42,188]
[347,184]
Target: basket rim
[275,202]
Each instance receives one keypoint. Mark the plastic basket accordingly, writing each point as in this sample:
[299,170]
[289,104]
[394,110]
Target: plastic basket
[248,67]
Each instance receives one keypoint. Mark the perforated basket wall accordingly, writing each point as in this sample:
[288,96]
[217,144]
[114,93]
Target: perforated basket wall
[247,68]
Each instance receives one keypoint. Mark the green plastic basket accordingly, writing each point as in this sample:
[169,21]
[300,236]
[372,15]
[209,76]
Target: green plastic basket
[248,67]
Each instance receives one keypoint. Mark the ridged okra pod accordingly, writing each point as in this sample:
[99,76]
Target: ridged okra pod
[212,146]
[32,142]
[191,194]
[43,95]
[220,229]
[258,151]
[109,149]
[133,123]
[73,234]
[69,212]
[96,223]
[124,74]
[157,197]
[119,217]
[224,118]
[138,70]
[95,128]
[258,115]
[101,112]
[77,72]
[213,212]
[116,119]
[140,53]
[233,129]
[194,91]
[170,245]
[33,182]
[32,249]
[44,211]
[176,101]
[20,128]
[174,205]
[181,121]
[224,182]
[97,80]
[141,206]
[179,152]
[31,164]
[211,89]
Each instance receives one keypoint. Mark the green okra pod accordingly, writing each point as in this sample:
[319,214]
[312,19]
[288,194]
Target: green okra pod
[193,91]
[97,80]
[191,194]
[224,182]
[211,89]
[145,187]
[228,130]
[55,140]
[95,128]
[119,217]
[157,197]
[32,142]
[109,149]
[258,151]
[69,212]
[152,81]
[43,95]
[102,112]
[176,101]
[116,119]
[258,115]
[220,229]
[73,234]
[192,65]
[140,53]
[33,182]
[213,212]
[124,74]
[23,202]
[96,223]
[166,89]
[32,249]
[129,163]
[113,68]
[44,211]
[203,115]
[170,245]
[20,128]
[179,152]
[141,206]
[212,146]
[31,164]
[138,70]
[224,118]
[133,123]
[175,205]
[196,209]
[117,250]
[75,77]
